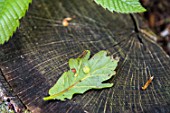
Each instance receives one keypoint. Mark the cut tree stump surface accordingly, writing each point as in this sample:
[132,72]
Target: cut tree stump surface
[38,53]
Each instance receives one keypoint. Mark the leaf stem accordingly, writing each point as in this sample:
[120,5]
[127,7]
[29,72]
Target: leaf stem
[55,95]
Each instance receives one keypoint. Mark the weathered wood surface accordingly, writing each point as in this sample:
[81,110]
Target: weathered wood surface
[37,55]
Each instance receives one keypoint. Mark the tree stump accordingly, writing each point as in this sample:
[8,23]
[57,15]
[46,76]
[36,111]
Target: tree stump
[36,56]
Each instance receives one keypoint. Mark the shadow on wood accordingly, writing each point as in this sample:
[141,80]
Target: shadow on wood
[37,55]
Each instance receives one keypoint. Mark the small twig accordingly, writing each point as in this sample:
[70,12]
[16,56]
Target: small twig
[147,83]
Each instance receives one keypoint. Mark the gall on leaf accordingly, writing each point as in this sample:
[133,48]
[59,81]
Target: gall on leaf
[73,70]
[86,69]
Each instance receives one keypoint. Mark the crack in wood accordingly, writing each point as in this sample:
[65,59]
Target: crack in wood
[6,92]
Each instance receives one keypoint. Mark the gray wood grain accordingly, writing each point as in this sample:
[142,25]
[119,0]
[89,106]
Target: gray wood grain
[37,55]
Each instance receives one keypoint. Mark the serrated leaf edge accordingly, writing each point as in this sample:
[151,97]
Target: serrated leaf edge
[11,12]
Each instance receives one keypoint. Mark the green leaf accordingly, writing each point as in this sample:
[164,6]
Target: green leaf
[10,13]
[121,6]
[90,73]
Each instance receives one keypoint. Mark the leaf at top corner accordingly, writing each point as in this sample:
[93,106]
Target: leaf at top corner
[89,74]
[122,6]
[10,13]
